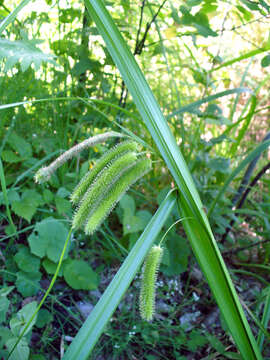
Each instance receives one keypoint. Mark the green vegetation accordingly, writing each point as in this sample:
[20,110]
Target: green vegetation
[125,126]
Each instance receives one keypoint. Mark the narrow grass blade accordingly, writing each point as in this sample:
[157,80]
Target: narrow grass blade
[242,57]
[258,150]
[197,228]
[12,16]
[235,145]
[265,319]
[88,335]
[195,105]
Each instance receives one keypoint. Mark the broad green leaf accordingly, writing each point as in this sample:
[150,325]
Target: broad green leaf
[132,222]
[4,291]
[63,206]
[10,156]
[265,61]
[205,30]
[51,266]
[127,203]
[79,275]
[27,206]
[48,196]
[44,318]
[178,253]
[26,261]
[17,323]
[5,334]
[28,283]
[23,52]
[22,350]
[48,239]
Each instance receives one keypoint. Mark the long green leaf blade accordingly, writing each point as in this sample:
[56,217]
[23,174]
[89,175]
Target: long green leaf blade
[196,104]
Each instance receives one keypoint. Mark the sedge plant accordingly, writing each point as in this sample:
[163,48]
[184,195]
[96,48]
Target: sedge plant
[186,197]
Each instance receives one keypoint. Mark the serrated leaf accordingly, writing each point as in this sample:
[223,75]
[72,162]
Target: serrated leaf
[48,239]
[23,51]
[79,275]
[28,204]
[28,283]
[26,261]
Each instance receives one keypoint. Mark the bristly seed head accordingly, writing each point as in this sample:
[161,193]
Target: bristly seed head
[42,175]
[148,283]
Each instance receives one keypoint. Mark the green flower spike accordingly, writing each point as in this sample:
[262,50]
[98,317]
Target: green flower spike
[99,189]
[148,283]
[114,194]
[108,157]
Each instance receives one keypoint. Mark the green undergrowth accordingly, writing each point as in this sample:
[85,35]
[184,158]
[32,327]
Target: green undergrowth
[55,96]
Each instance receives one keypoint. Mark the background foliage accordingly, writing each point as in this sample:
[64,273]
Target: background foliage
[188,51]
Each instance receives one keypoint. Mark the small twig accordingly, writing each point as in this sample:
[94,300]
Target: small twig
[242,248]
[248,23]
[139,45]
[244,196]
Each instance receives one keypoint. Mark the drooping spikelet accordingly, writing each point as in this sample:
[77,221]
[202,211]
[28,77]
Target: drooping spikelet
[116,191]
[45,173]
[148,282]
[107,158]
[99,189]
